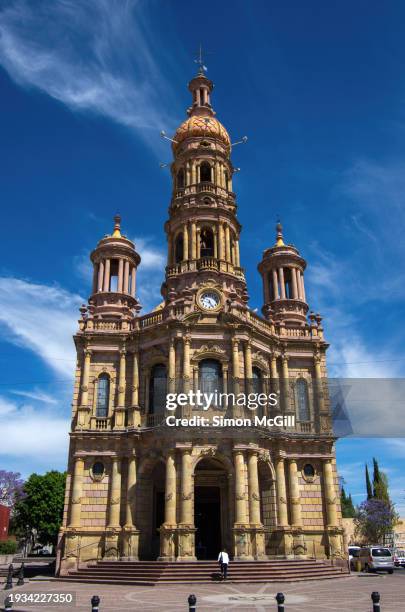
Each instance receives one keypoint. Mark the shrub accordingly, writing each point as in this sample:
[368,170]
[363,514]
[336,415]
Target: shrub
[8,547]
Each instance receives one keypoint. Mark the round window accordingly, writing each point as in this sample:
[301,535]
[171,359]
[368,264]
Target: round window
[98,470]
[309,470]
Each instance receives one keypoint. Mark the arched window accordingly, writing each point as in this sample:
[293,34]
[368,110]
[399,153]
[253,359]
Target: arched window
[180,179]
[157,389]
[210,376]
[257,380]
[302,400]
[206,242]
[205,173]
[103,396]
[178,249]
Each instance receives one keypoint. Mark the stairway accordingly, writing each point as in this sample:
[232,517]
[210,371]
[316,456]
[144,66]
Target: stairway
[155,572]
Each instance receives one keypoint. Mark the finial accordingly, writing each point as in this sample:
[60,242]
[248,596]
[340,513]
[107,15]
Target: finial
[200,62]
[117,227]
[279,238]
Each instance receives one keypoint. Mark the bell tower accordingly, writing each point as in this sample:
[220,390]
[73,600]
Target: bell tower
[202,230]
[282,270]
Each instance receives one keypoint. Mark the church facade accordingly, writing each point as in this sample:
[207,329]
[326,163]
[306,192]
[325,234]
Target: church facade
[140,489]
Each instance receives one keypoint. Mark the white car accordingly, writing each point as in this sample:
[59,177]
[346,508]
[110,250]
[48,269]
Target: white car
[399,557]
[353,555]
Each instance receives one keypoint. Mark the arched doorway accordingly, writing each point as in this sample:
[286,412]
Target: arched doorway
[267,487]
[211,508]
[150,508]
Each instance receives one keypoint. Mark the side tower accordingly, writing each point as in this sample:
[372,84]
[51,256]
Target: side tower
[138,488]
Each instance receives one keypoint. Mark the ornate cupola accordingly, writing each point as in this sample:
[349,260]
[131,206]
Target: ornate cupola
[115,262]
[282,270]
[202,230]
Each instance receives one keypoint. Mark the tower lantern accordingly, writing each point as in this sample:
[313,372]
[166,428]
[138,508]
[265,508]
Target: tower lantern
[282,270]
[115,262]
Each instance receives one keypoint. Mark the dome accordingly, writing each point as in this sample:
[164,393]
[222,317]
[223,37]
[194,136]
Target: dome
[197,125]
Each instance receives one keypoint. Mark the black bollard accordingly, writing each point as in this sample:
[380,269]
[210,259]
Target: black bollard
[375,598]
[192,603]
[95,602]
[280,602]
[20,580]
[8,604]
[9,583]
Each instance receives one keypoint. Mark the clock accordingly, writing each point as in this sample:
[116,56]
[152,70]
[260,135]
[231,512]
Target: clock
[209,299]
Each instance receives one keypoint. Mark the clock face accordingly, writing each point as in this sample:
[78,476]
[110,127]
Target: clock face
[209,300]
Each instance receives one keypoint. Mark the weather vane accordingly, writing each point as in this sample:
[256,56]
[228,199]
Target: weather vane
[199,60]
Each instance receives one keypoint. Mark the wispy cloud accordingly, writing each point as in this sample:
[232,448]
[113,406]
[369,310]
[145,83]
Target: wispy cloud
[42,319]
[36,395]
[29,432]
[92,56]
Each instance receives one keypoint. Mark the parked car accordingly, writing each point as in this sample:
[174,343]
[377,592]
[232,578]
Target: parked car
[354,552]
[399,557]
[376,557]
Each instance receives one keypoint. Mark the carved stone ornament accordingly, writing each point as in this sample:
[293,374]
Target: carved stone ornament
[77,500]
[208,452]
[115,500]
[255,496]
[84,388]
[239,497]
[209,348]
[169,496]
[331,500]
[282,500]
[295,501]
[187,496]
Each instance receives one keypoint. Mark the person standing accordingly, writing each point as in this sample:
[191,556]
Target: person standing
[223,559]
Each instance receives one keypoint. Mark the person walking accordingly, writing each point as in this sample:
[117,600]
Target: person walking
[223,559]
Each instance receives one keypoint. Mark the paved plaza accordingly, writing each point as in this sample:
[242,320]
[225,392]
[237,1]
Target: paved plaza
[352,593]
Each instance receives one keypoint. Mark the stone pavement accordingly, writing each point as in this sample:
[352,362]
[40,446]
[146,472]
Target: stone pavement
[344,594]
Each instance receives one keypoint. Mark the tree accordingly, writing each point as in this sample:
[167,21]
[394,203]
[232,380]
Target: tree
[380,483]
[346,503]
[375,519]
[41,506]
[368,484]
[10,487]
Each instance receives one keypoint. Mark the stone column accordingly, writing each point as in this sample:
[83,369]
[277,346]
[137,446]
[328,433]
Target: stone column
[133,281]
[330,494]
[294,283]
[254,491]
[302,287]
[77,492]
[193,240]
[126,276]
[170,489]
[85,379]
[100,276]
[221,239]
[198,174]
[120,275]
[172,366]
[286,383]
[227,244]
[193,173]
[282,513]
[136,417]
[275,285]
[131,534]
[275,384]
[240,493]
[107,275]
[215,235]
[295,500]
[185,242]
[235,364]
[195,379]
[122,380]
[186,363]
[115,494]
[282,284]
[198,243]
[186,509]
[237,253]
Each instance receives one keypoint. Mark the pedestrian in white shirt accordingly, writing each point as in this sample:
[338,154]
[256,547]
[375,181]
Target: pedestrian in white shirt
[223,559]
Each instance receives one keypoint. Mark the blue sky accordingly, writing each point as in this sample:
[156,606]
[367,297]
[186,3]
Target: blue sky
[86,87]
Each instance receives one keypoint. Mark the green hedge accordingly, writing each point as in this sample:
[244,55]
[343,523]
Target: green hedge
[8,547]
